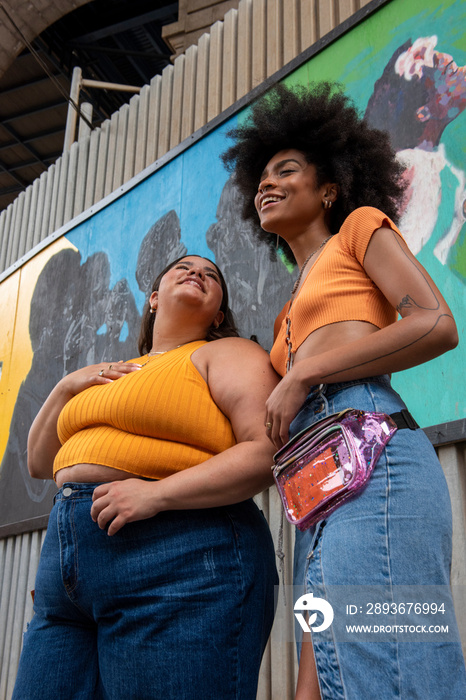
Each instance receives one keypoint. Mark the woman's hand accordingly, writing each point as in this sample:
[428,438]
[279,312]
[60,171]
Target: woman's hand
[283,404]
[102,373]
[43,442]
[121,502]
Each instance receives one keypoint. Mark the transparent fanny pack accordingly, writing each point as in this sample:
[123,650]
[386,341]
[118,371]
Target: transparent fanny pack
[328,463]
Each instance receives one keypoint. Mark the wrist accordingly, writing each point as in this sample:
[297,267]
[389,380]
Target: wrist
[63,391]
[161,491]
[304,376]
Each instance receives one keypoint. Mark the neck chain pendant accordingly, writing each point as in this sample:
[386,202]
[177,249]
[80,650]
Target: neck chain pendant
[290,356]
[296,284]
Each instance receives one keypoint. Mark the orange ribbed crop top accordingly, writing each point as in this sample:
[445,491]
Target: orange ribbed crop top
[336,287]
[151,423]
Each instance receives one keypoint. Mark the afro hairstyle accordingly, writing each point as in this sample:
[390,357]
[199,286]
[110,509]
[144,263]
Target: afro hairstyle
[321,122]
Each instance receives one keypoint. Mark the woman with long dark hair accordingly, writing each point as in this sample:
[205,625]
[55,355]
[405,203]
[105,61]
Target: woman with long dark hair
[157,574]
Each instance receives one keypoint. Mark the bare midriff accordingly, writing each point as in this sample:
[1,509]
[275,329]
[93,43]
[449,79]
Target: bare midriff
[333,336]
[90,474]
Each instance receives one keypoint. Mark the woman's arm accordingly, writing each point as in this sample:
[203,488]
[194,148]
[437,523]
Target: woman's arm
[240,379]
[43,442]
[427,329]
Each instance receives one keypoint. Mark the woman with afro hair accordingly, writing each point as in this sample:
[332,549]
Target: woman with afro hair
[327,190]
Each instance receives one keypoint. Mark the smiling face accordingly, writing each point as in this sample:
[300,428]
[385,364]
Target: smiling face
[289,199]
[193,281]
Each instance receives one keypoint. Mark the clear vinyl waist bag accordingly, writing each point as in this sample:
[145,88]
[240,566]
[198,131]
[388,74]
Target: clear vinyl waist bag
[326,464]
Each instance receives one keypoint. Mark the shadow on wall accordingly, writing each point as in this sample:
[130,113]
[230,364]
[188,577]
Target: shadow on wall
[76,319]
[258,285]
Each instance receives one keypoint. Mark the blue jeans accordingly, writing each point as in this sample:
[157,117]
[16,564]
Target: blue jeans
[396,533]
[177,606]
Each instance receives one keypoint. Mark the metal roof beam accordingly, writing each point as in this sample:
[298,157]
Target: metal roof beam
[28,148]
[154,16]
[30,112]
[19,180]
[13,167]
[120,52]
[33,137]
[132,61]
[28,84]
[14,189]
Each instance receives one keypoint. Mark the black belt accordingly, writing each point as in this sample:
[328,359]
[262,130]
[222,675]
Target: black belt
[404,419]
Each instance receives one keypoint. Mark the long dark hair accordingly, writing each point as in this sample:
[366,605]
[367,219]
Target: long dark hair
[227,328]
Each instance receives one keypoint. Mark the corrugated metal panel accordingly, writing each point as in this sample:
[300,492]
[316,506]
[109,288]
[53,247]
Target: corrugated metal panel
[120,147]
[92,163]
[102,162]
[291,38]
[202,79]
[111,154]
[189,92]
[39,210]
[279,670]
[131,139]
[453,460]
[177,101]
[19,558]
[165,112]
[244,55]
[61,174]
[229,66]
[259,43]
[82,168]
[214,99]
[71,180]
[33,215]
[153,122]
[326,16]
[5,221]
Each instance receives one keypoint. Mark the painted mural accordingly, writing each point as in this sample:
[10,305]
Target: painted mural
[80,300]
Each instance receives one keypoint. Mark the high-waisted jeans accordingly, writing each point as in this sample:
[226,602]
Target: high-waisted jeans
[396,533]
[177,606]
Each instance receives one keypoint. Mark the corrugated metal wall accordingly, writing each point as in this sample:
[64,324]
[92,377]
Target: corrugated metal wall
[19,557]
[250,45]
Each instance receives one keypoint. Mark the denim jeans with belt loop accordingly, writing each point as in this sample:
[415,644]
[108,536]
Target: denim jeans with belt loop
[395,535]
[176,606]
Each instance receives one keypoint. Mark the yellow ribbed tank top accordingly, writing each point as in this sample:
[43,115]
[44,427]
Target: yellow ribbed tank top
[151,423]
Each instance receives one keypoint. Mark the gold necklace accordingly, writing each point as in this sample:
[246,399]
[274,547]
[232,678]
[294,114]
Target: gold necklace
[152,354]
[296,284]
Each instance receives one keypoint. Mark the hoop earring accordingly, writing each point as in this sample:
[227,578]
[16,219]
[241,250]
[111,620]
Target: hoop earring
[327,203]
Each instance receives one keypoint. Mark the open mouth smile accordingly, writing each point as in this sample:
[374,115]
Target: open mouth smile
[269,199]
[194,281]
